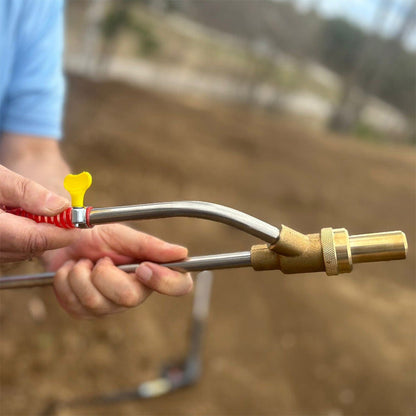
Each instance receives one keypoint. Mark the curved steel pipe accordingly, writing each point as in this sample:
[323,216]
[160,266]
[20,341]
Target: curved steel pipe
[196,209]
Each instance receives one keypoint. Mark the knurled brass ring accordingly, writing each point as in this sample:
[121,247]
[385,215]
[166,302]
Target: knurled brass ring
[329,252]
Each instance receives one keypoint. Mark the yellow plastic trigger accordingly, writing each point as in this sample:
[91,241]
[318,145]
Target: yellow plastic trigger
[77,185]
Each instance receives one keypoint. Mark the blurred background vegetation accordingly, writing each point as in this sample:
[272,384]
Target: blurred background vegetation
[327,69]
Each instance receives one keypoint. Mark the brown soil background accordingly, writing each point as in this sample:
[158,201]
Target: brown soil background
[276,345]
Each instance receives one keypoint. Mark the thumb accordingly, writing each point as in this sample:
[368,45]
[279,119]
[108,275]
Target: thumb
[18,191]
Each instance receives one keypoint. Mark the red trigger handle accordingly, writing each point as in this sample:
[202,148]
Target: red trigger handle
[62,220]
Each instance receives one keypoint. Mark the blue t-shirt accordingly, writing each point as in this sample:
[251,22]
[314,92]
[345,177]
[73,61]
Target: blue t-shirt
[32,86]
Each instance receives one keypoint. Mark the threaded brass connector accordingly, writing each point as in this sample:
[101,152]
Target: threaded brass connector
[336,251]
[333,251]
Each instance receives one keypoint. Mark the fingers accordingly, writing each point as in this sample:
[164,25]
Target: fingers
[164,280]
[18,191]
[86,291]
[138,245]
[88,295]
[64,293]
[118,286]
[22,238]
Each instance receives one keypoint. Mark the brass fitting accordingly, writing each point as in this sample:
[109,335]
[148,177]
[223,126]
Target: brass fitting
[332,251]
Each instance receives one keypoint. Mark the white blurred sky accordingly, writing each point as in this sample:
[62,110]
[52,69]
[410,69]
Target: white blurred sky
[362,13]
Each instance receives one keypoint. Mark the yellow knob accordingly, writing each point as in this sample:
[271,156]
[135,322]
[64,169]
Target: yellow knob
[77,185]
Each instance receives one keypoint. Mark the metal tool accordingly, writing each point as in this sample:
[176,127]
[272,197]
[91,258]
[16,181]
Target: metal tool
[332,251]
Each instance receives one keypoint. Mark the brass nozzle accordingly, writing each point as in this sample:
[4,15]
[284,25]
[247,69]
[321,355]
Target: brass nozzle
[341,251]
[333,251]
[378,246]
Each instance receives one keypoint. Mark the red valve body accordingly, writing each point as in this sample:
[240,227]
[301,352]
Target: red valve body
[62,220]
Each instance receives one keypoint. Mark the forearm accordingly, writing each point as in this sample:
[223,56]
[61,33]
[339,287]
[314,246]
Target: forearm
[39,159]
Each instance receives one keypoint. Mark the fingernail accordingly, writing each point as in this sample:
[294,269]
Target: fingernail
[55,203]
[144,273]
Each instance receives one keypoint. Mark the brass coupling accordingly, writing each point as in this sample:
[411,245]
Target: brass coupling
[332,250]
[336,251]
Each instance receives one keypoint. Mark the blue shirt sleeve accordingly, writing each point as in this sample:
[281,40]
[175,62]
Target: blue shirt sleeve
[36,91]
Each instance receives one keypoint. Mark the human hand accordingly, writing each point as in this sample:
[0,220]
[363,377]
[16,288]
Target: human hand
[86,289]
[22,238]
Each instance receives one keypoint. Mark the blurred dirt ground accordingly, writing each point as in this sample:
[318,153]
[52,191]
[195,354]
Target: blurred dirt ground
[276,345]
